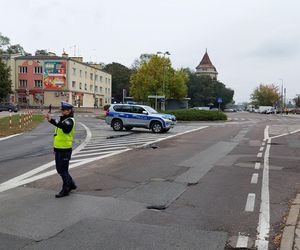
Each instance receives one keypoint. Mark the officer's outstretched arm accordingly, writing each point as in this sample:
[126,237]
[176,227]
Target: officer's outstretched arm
[65,125]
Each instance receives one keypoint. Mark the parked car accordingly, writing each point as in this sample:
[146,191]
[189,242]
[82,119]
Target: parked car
[295,111]
[6,106]
[200,108]
[229,110]
[128,116]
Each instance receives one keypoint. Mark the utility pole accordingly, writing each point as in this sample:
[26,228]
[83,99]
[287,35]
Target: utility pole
[163,90]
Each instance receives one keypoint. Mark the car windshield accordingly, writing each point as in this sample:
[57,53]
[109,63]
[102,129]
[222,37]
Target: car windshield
[151,110]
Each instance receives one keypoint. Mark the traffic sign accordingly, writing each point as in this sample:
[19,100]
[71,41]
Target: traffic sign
[220,100]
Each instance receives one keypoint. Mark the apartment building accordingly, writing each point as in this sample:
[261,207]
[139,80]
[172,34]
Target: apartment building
[50,79]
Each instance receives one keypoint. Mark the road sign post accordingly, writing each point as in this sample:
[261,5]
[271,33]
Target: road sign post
[220,100]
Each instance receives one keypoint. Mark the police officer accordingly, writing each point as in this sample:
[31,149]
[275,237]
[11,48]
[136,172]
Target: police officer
[63,139]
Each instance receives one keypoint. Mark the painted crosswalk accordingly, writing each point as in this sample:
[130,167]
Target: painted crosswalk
[101,142]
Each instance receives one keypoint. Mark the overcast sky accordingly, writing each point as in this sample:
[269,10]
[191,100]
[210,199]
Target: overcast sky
[248,41]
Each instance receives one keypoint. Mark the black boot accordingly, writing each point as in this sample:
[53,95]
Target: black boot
[64,192]
[73,186]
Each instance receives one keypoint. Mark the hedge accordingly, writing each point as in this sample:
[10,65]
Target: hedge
[197,115]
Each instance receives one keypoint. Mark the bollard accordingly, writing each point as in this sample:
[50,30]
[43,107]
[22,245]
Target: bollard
[24,119]
[20,120]
[10,122]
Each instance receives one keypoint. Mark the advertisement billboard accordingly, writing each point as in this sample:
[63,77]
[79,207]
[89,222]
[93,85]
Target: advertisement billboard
[55,75]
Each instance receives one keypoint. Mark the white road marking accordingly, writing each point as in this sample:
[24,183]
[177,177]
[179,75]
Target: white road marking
[291,133]
[92,154]
[101,149]
[254,178]
[263,144]
[31,175]
[45,166]
[250,203]
[266,133]
[261,149]
[8,137]
[263,228]
[259,155]
[86,141]
[257,165]
[104,145]
[242,241]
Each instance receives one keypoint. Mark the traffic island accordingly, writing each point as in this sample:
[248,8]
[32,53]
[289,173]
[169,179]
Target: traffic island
[19,123]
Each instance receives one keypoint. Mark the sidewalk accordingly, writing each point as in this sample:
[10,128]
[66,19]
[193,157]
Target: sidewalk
[291,233]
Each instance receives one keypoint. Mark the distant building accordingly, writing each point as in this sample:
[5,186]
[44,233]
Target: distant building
[206,68]
[50,79]
[9,60]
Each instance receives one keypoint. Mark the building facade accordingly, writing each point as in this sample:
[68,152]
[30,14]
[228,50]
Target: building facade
[206,68]
[50,79]
[9,60]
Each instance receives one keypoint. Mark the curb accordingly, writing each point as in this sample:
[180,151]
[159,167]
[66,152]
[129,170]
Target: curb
[288,236]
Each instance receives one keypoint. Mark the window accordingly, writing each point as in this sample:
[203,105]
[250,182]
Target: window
[38,83]
[80,73]
[37,70]
[85,86]
[85,74]
[109,80]
[91,87]
[101,78]
[73,84]
[105,90]
[106,80]
[74,71]
[80,85]
[101,89]
[108,90]
[96,88]
[23,83]
[137,110]
[91,76]
[23,70]
[96,78]
[121,108]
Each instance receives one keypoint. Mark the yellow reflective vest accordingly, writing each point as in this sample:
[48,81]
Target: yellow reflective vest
[63,140]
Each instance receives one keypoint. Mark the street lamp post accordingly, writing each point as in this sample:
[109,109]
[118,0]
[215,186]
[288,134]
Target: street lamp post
[281,96]
[164,54]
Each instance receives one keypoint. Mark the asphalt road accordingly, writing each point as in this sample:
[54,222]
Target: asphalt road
[203,185]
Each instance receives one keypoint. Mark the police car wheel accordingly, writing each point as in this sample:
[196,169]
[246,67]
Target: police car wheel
[117,125]
[156,127]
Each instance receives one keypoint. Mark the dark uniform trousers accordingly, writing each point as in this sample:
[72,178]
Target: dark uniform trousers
[62,159]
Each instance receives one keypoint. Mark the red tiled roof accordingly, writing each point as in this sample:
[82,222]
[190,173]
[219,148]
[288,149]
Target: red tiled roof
[205,62]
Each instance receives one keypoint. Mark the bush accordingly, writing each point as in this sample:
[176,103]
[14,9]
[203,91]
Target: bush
[197,115]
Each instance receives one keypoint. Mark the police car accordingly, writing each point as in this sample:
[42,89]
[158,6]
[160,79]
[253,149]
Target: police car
[128,116]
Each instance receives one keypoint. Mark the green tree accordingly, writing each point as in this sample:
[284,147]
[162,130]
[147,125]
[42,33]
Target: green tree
[41,52]
[15,49]
[265,95]
[120,79]
[157,77]
[297,101]
[4,41]
[5,81]
[205,91]
[142,59]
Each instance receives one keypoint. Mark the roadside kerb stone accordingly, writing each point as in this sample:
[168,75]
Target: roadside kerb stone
[290,233]
[287,240]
